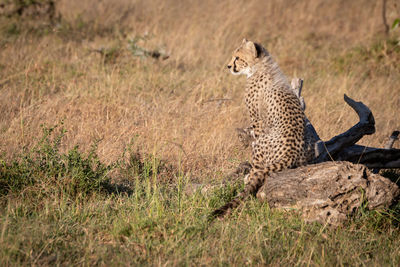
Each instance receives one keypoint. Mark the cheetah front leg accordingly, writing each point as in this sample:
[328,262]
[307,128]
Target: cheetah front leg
[246,135]
[259,156]
[250,134]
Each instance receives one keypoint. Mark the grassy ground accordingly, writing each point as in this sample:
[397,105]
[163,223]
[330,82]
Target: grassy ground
[110,189]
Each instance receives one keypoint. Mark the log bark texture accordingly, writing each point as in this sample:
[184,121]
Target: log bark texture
[328,192]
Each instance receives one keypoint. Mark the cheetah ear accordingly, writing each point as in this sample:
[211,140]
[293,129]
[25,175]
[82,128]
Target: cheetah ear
[252,48]
[244,41]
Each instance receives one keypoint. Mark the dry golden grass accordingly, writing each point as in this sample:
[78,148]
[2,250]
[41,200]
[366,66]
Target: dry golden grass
[173,108]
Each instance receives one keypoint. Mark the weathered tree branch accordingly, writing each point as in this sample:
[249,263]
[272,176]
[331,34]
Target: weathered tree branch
[384,20]
[393,137]
[316,143]
[365,126]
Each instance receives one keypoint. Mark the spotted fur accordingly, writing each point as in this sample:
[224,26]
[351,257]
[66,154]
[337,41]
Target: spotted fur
[278,121]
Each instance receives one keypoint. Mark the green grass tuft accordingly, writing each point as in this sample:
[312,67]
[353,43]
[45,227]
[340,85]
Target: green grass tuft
[69,173]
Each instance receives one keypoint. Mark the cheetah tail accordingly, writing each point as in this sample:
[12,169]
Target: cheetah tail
[227,208]
[250,189]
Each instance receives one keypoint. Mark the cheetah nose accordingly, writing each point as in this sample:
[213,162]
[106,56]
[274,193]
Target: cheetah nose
[229,66]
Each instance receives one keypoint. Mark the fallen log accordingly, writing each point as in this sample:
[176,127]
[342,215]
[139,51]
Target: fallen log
[328,192]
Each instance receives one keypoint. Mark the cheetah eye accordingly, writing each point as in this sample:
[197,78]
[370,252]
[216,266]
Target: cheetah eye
[236,58]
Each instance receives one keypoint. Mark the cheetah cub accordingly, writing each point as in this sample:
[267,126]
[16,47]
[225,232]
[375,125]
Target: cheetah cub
[278,121]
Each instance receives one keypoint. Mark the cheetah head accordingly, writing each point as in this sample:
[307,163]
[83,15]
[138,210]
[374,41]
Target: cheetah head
[245,57]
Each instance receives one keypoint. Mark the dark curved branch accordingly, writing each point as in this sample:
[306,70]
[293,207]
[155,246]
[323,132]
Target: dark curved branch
[365,126]
[379,158]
